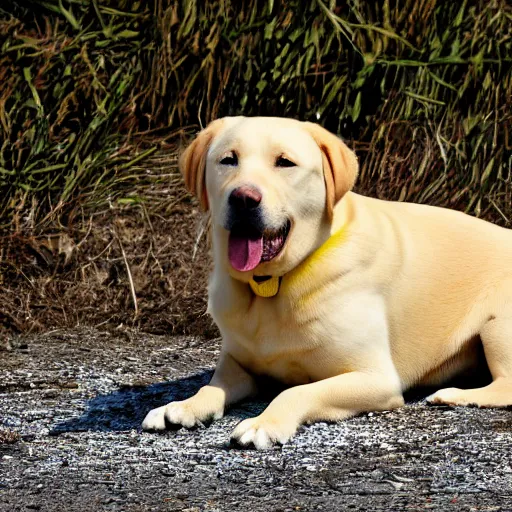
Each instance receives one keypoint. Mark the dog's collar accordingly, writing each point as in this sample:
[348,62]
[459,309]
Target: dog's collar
[268,286]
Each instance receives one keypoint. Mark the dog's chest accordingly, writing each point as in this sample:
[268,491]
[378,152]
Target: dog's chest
[268,338]
[282,357]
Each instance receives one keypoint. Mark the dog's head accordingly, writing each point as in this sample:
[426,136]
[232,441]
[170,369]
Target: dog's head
[271,185]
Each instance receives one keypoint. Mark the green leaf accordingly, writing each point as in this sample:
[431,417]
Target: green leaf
[356,109]
[487,171]
[269,29]
[127,34]
[69,16]
[424,98]
[261,85]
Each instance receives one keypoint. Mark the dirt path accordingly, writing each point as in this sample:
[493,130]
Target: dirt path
[76,400]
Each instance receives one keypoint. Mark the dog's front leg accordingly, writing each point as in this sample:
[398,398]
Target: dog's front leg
[331,399]
[230,383]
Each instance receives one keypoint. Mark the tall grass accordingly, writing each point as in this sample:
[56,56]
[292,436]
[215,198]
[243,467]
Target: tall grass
[90,88]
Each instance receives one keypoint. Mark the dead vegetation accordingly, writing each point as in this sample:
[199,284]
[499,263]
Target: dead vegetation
[9,436]
[125,268]
[97,96]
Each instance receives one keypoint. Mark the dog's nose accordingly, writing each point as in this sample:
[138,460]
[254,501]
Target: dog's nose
[245,197]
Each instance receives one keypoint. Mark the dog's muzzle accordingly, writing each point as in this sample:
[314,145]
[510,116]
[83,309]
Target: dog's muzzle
[250,241]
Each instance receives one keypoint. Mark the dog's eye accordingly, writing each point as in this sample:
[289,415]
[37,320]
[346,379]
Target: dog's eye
[231,159]
[284,162]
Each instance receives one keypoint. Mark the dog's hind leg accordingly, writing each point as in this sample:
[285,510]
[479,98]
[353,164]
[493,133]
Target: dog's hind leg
[496,338]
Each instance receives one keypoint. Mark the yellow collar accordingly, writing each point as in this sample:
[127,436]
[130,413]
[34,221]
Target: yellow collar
[268,286]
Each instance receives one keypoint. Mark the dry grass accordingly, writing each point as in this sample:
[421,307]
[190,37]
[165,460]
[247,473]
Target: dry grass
[135,264]
[9,437]
[96,95]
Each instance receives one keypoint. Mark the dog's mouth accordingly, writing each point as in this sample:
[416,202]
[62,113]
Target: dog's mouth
[248,247]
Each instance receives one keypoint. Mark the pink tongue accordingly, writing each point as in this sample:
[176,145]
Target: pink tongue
[244,252]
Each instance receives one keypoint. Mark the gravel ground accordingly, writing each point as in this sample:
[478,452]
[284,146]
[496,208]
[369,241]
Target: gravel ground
[71,403]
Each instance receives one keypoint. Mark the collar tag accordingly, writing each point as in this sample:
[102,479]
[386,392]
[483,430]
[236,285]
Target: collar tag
[265,286]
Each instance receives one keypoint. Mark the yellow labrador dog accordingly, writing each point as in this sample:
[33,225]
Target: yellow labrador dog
[347,299]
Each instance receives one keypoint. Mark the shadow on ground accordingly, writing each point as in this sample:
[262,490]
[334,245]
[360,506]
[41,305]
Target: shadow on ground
[125,408]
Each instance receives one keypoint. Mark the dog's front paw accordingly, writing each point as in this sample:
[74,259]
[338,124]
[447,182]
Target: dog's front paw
[185,413]
[262,432]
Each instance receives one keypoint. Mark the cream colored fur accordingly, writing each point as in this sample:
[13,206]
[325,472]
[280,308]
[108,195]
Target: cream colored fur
[399,296]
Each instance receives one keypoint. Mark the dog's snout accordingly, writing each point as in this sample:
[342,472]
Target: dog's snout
[245,198]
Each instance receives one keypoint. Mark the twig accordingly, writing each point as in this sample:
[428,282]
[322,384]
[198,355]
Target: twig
[129,272]
[94,258]
[86,235]
[204,225]
[507,220]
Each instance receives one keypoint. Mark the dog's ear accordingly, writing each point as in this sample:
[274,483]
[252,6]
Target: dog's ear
[193,162]
[339,162]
